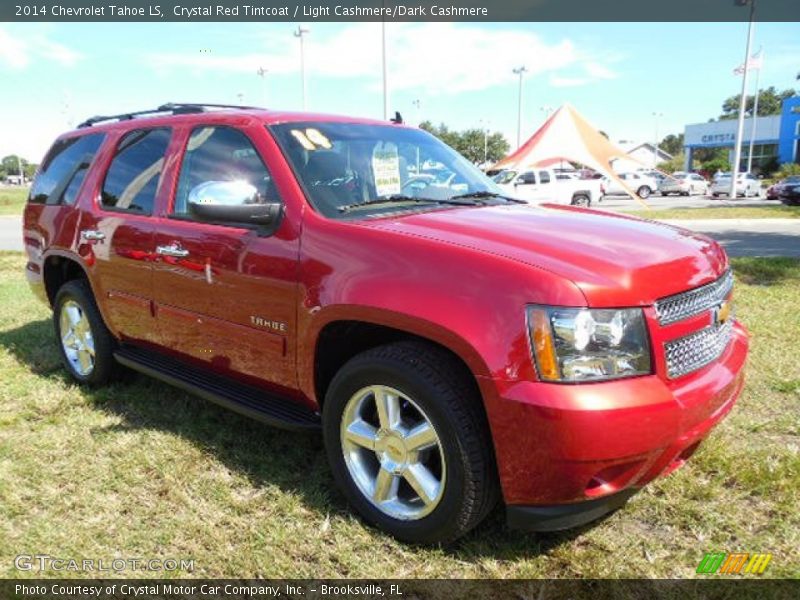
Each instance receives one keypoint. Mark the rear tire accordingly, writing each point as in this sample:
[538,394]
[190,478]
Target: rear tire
[643,192]
[416,382]
[86,345]
[581,200]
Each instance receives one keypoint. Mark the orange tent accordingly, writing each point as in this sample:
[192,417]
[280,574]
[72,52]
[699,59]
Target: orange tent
[566,135]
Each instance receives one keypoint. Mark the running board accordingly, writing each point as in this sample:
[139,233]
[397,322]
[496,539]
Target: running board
[244,399]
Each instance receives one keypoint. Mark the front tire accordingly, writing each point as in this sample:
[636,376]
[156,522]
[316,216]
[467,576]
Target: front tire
[408,442]
[86,345]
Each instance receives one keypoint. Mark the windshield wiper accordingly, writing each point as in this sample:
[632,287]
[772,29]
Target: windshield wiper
[400,198]
[487,194]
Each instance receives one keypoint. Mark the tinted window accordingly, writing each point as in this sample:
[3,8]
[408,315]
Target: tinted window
[221,154]
[544,177]
[64,167]
[133,177]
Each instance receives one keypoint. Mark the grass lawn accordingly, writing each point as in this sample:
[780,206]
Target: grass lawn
[720,212]
[12,200]
[143,470]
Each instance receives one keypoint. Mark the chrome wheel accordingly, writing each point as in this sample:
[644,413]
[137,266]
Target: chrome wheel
[76,338]
[393,452]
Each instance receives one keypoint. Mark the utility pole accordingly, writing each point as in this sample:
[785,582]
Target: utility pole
[737,152]
[656,115]
[300,33]
[520,71]
[262,72]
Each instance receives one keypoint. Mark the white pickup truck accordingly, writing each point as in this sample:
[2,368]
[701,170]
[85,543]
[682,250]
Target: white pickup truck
[539,186]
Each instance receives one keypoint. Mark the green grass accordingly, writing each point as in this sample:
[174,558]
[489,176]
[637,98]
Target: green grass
[720,212]
[143,470]
[12,200]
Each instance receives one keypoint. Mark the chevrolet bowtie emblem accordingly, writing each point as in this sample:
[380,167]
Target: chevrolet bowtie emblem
[720,314]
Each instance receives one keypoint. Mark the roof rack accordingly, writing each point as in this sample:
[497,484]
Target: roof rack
[175,108]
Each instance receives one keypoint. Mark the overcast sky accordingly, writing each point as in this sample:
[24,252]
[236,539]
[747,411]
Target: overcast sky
[616,74]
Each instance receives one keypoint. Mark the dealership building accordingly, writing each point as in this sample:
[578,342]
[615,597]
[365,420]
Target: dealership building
[776,140]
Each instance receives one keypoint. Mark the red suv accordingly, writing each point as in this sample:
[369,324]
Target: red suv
[451,345]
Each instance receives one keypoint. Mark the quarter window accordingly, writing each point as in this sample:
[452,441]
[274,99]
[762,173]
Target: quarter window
[221,154]
[63,169]
[132,180]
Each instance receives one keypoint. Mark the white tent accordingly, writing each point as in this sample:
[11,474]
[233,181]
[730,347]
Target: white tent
[566,135]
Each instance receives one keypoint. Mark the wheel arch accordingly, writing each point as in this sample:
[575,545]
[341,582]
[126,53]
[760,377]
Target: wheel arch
[339,338]
[58,269]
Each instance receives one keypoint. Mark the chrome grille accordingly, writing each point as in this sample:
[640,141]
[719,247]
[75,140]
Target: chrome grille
[698,349]
[686,304]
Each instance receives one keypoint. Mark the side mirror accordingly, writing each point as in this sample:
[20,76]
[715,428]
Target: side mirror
[231,201]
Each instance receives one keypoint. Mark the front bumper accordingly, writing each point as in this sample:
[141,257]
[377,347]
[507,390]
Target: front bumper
[558,517]
[563,445]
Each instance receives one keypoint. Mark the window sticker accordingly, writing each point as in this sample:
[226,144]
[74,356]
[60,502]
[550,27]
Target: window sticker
[315,136]
[386,169]
[304,141]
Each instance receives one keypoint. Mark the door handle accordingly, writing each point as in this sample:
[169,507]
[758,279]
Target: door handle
[172,250]
[92,235]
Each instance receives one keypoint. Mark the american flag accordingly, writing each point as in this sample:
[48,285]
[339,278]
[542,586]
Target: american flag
[755,62]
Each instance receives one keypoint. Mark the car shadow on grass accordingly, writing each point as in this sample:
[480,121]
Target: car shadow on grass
[293,461]
[766,271]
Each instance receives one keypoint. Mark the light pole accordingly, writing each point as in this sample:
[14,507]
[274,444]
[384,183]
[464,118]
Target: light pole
[485,126]
[519,71]
[240,97]
[656,116]
[416,103]
[262,72]
[299,34]
[383,67]
[737,152]
[755,114]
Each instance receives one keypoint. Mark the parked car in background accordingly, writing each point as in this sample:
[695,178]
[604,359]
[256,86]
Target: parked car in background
[747,185]
[539,186]
[642,184]
[774,191]
[657,176]
[790,194]
[684,184]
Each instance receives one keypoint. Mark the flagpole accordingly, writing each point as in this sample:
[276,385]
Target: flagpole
[755,112]
[737,152]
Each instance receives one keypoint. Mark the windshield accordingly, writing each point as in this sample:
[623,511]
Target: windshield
[356,170]
[504,177]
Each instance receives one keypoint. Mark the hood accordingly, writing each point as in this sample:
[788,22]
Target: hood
[615,260]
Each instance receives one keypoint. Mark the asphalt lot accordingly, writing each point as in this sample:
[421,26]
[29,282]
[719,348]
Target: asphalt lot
[741,237]
[11,233]
[658,202]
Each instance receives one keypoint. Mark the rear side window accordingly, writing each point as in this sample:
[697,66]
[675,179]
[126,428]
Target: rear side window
[63,169]
[544,177]
[132,179]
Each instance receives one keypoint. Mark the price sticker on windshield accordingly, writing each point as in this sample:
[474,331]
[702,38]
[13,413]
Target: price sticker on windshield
[386,169]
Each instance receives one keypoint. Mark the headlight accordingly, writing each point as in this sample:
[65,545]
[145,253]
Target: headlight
[581,344]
